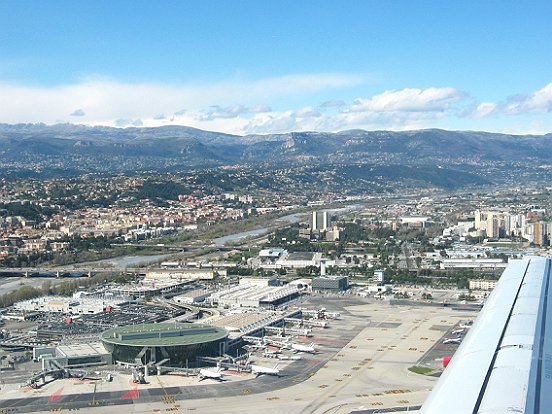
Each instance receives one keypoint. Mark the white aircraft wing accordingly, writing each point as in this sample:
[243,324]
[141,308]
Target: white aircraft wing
[505,360]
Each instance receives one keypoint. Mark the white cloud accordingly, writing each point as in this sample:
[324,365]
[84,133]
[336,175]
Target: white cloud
[241,107]
[409,100]
[529,104]
[307,112]
[78,112]
[485,109]
[104,101]
[259,109]
[538,102]
[121,123]
[404,109]
[334,103]
[397,110]
[233,111]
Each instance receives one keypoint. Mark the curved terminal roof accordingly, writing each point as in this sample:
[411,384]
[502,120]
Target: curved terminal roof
[163,334]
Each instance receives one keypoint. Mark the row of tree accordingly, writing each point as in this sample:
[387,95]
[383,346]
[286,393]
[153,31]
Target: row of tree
[62,289]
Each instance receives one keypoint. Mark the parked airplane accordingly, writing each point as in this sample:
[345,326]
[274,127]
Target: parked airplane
[258,370]
[208,374]
[458,331]
[304,348]
[452,340]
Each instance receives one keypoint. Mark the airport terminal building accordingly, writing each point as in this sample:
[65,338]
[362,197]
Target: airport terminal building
[176,345]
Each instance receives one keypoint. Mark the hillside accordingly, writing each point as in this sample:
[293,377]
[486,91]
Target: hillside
[65,149]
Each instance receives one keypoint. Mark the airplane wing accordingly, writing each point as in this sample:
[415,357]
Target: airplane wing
[504,363]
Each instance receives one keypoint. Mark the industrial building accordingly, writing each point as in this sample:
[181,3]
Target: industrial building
[271,253]
[473,263]
[72,356]
[184,274]
[255,293]
[151,287]
[81,305]
[331,283]
[299,260]
[482,284]
[193,296]
[175,344]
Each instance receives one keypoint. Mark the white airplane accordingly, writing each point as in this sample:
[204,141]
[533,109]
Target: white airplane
[258,370]
[458,331]
[304,348]
[452,340]
[208,374]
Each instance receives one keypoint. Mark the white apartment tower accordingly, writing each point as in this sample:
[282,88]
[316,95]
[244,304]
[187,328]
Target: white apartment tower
[320,221]
[477,218]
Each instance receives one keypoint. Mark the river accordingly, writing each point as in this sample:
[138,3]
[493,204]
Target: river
[135,261]
[230,238]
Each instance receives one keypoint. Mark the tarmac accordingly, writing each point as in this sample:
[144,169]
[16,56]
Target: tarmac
[361,364]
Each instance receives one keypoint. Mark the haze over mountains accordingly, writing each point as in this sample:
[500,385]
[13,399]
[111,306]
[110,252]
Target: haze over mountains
[66,149]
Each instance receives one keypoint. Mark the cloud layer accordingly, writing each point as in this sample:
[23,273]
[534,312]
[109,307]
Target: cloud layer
[244,107]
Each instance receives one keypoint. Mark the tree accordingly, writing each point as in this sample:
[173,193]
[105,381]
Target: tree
[46,287]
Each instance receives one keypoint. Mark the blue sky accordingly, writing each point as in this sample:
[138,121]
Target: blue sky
[277,66]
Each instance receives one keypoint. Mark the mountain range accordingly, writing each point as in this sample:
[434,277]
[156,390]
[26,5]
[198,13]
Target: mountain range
[65,149]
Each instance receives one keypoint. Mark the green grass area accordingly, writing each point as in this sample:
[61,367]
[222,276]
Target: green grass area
[420,370]
[506,244]
[237,257]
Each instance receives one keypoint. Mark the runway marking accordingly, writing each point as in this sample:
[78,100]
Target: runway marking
[132,394]
[235,373]
[93,402]
[55,396]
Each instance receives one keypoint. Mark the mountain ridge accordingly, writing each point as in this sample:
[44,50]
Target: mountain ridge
[77,148]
